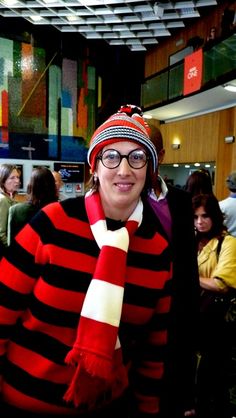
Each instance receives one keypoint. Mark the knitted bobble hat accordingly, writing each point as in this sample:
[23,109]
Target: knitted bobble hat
[121,127]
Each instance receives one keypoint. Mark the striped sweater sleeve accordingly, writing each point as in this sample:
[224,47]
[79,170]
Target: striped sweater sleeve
[147,369]
[147,375]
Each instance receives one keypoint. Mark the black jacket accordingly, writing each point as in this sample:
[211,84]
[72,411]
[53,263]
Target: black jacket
[180,364]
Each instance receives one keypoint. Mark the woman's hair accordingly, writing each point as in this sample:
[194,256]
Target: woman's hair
[199,182]
[5,171]
[41,188]
[212,208]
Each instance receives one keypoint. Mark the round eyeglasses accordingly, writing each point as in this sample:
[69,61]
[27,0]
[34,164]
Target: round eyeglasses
[112,158]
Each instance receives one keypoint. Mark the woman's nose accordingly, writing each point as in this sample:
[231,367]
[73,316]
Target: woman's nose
[124,166]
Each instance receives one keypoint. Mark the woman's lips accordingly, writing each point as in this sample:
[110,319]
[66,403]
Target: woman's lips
[124,187]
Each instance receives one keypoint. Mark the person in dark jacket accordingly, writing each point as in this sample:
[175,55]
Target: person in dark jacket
[173,208]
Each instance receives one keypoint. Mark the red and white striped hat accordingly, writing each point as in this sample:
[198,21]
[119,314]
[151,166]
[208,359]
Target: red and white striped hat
[121,127]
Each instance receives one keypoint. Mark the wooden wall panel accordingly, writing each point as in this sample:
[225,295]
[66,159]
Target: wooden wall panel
[225,161]
[202,139]
[198,138]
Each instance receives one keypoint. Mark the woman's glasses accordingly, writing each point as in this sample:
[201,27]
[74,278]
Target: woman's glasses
[111,158]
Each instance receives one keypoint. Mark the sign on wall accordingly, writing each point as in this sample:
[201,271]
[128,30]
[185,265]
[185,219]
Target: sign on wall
[193,72]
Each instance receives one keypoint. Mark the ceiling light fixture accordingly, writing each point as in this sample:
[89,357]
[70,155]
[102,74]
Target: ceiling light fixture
[230,87]
[10,2]
[147,116]
[50,1]
[72,18]
[36,18]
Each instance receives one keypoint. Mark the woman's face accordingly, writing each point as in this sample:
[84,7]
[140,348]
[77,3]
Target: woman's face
[202,220]
[120,187]
[12,183]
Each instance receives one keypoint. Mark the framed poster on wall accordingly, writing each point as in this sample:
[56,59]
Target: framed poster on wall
[70,172]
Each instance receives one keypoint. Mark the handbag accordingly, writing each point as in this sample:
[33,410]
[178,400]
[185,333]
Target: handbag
[230,315]
[212,303]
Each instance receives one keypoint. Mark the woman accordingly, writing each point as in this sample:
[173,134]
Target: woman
[91,339]
[9,184]
[217,274]
[41,190]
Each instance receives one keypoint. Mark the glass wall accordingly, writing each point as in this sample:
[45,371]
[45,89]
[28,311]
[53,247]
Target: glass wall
[177,174]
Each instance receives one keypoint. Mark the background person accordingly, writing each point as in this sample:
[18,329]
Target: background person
[217,273]
[59,184]
[9,184]
[228,205]
[199,182]
[41,190]
[173,208]
[87,329]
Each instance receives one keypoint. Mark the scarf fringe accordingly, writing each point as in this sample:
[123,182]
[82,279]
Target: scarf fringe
[88,390]
[91,363]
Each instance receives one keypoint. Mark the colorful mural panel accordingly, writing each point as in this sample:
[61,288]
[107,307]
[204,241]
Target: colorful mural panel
[47,110]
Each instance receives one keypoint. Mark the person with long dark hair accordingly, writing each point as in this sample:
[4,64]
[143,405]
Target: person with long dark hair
[217,275]
[41,190]
[199,182]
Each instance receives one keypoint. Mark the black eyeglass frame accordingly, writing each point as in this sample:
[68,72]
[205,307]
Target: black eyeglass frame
[100,157]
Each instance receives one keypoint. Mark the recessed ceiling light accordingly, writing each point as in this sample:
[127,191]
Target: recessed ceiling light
[197,164]
[230,87]
[10,2]
[187,166]
[72,18]
[175,165]
[36,18]
[49,1]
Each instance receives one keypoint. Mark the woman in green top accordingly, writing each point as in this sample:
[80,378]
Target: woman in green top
[9,184]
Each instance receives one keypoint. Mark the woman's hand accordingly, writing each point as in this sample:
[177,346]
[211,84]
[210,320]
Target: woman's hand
[213,284]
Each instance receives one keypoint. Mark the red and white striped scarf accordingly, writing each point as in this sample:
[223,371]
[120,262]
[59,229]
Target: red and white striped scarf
[97,351]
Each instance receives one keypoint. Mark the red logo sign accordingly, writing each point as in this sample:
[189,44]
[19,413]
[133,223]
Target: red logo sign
[193,72]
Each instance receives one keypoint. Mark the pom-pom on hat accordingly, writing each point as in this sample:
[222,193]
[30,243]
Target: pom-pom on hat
[121,127]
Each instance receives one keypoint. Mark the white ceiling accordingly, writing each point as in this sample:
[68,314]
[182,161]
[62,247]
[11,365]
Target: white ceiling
[135,23]
[211,100]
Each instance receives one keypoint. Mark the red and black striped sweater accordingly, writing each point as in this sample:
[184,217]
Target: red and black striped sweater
[43,281]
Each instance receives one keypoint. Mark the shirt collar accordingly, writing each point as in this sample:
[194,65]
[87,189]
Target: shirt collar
[164,190]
